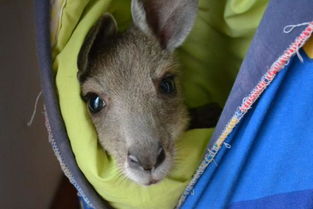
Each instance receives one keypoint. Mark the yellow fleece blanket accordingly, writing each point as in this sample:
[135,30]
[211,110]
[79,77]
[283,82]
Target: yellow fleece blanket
[209,58]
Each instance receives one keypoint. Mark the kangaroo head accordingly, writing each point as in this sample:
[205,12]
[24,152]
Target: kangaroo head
[130,84]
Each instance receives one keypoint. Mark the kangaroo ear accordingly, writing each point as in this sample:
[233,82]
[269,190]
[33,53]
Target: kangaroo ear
[169,20]
[97,37]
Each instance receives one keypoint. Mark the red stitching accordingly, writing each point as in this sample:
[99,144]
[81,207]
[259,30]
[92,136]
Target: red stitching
[275,68]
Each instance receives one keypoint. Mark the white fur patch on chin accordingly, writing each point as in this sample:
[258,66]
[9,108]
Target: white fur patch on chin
[145,178]
[140,177]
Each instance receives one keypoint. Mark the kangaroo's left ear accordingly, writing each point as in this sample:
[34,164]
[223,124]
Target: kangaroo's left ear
[100,34]
[169,21]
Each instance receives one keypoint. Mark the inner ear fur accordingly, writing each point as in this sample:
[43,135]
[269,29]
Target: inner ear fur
[96,38]
[169,20]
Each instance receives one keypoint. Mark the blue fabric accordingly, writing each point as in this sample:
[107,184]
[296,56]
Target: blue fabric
[268,44]
[83,204]
[272,150]
[290,200]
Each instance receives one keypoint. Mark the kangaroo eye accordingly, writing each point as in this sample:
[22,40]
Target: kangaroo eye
[167,85]
[94,102]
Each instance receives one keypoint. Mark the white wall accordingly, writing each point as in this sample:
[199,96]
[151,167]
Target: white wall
[29,172]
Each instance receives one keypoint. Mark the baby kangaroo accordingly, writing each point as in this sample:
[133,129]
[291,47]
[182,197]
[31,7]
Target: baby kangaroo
[129,82]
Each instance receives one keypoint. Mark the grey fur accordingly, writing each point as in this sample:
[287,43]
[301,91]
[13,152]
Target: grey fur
[169,20]
[125,71]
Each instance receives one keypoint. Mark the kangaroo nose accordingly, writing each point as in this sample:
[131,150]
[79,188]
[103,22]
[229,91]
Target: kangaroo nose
[146,161]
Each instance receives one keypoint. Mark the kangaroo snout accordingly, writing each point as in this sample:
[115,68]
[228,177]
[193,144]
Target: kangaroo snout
[145,159]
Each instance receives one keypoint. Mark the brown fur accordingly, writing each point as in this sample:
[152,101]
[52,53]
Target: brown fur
[125,71]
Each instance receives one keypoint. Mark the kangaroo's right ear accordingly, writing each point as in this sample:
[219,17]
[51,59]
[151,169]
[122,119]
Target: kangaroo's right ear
[98,36]
[169,21]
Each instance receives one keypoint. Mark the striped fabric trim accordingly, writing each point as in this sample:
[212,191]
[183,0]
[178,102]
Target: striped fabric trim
[63,165]
[247,103]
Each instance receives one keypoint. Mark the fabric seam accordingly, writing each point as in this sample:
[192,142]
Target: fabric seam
[58,155]
[246,104]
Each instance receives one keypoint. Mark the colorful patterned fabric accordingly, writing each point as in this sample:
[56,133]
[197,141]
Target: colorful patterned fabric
[270,162]
[262,157]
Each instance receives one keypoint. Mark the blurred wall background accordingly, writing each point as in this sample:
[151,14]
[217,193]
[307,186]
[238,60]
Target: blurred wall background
[29,172]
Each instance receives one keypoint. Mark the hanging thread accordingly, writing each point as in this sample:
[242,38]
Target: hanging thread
[215,162]
[228,146]
[289,28]
[192,192]
[30,122]
[299,56]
